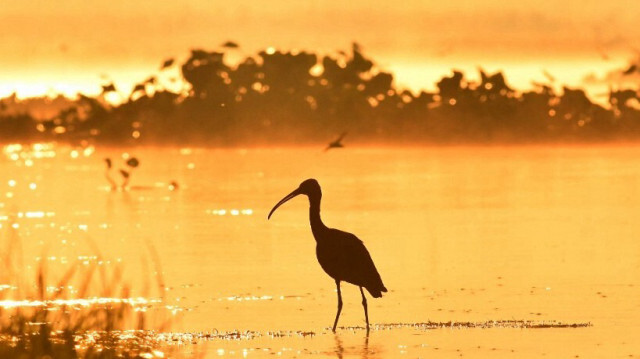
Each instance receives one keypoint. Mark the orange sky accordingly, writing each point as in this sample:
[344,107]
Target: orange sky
[66,45]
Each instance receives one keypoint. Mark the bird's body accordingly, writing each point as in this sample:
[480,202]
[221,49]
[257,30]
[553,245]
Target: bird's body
[345,258]
[337,143]
[341,254]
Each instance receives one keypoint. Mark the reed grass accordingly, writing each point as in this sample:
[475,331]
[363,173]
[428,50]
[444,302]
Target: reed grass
[48,321]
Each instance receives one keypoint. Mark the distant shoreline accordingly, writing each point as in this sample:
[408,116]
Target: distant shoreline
[276,97]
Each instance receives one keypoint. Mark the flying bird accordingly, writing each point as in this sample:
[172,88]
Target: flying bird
[231,45]
[109,88]
[337,143]
[549,77]
[342,255]
[167,63]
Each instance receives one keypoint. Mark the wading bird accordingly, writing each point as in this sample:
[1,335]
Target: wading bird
[342,255]
[131,163]
[107,174]
[337,143]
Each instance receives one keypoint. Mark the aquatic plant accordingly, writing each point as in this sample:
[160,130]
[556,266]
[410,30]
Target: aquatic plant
[65,319]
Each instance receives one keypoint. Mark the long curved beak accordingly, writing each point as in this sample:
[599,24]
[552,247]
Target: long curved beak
[286,198]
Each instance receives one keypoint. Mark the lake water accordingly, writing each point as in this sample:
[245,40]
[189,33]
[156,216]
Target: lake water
[460,234]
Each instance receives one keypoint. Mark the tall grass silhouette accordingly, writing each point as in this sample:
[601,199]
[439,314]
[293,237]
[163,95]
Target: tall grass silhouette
[87,312]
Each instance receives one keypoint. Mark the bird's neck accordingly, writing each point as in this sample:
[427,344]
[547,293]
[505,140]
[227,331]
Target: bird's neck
[317,227]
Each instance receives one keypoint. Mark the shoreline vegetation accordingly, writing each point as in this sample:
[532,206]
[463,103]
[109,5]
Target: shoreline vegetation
[86,311]
[62,322]
[280,98]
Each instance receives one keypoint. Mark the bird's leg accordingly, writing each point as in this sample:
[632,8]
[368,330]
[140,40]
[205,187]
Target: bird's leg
[113,184]
[335,322]
[366,313]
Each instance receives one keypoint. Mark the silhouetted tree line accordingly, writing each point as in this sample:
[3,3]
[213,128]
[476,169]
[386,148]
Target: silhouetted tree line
[294,97]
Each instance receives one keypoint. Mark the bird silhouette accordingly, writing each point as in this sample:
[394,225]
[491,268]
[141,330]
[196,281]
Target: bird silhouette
[167,63]
[341,255]
[107,174]
[549,76]
[131,163]
[230,45]
[337,143]
[109,88]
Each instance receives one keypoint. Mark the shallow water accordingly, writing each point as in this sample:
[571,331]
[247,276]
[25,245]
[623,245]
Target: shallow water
[461,234]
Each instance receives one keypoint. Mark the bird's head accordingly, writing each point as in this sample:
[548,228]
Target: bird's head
[310,188]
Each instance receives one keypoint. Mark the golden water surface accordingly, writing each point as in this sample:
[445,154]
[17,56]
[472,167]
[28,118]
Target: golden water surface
[460,234]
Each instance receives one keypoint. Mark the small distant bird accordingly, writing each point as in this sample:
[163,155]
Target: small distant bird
[167,63]
[109,88]
[230,45]
[337,143]
[549,77]
[107,174]
[133,162]
[342,255]
[633,68]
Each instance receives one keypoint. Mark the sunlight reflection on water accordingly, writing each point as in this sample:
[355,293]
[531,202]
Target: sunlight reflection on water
[460,235]
[88,302]
[233,212]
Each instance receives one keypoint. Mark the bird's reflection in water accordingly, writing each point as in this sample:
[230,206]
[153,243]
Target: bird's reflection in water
[352,352]
[339,347]
[365,347]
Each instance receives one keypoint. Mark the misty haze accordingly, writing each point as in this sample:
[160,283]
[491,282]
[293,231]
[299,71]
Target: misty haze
[312,179]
